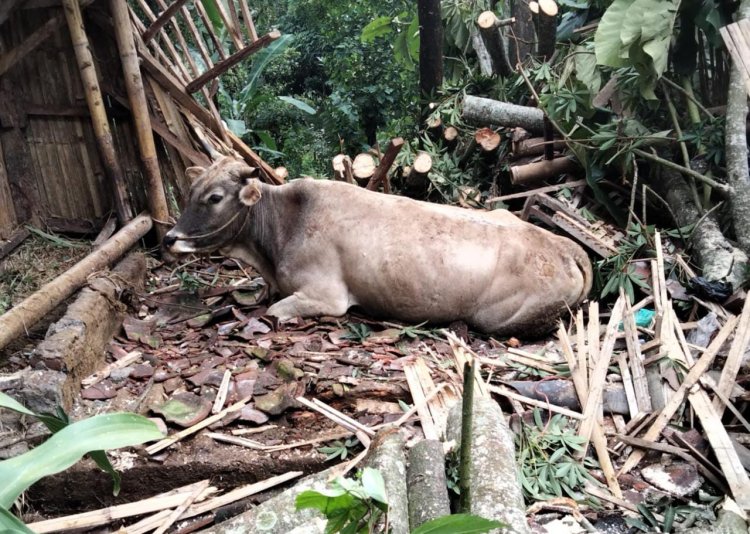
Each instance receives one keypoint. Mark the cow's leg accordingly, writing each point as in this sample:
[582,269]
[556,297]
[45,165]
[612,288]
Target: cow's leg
[310,304]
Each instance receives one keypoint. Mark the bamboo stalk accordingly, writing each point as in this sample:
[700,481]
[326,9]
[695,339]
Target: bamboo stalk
[467,409]
[95,102]
[156,198]
[162,19]
[209,28]
[249,24]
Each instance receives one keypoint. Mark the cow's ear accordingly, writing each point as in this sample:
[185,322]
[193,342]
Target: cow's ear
[194,172]
[250,194]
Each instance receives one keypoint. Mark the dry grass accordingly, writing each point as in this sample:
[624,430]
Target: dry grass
[37,261]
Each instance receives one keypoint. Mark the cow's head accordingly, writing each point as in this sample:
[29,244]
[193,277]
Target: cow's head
[217,209]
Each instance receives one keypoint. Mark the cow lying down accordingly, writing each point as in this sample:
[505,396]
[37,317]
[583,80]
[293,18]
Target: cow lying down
[327,246]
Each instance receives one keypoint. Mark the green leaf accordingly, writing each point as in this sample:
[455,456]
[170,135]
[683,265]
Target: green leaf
[299,104]
[377,28]
[586,71]
[213,14]
[66,447]
[10,524]
[12,404]
[260,62]
[607,43]
[374,484]
[458,524]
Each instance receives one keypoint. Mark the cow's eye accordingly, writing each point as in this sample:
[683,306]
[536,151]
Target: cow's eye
[215,198]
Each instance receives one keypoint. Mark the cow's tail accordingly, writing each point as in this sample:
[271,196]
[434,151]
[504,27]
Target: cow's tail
[584,265]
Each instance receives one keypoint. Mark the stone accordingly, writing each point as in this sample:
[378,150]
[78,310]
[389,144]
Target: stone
[251,415]
[277,401]
[286,370]
[679,478]
[142,371]
[184,409]
[101,391]
[121,374]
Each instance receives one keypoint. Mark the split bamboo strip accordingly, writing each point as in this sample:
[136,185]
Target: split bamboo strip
[599,375]
[505,392]
[640,383]
[171,440]
[162,19]
[157,199]
[249,24]
[177,60]
[461,352]
[197,38]
[734,358]
[27,313]
[578,374]
[93,93]
[419,398]
[98,376]
[232,30]
[627,382]
[695,373]
[177,513]
[208,25]
[107,515]
[593,338]
[582,349]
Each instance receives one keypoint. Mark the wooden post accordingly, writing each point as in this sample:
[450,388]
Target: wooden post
[96,107]
[157,199]
[394,147]
[27,313]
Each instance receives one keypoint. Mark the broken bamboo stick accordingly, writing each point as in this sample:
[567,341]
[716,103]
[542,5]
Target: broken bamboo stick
[537,171]
[95,102]
[734,359]
[27,313]
[155,195]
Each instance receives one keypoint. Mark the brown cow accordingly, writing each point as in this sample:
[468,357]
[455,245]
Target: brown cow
[327,246]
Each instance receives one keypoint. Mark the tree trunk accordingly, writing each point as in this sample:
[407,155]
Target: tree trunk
[483,56]
[381,172]
[487,139]
[736,148]
[416,182]
[430,46]
[487,22]
[547,29]
[521,45]
[428,492]
[450,138]
[363,168]
[28,312]
[495,489]
[714,253]
[537,171]
[388,456]
[484,111]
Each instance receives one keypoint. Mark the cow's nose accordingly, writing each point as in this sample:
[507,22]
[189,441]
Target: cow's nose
[169,240]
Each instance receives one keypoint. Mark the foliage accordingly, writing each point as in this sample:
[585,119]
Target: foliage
[68,443]
[355,506]
[546,459]
[339,449]
[358,332]
[188,281]
[647,521]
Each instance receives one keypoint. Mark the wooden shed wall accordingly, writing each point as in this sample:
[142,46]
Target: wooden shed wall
[50,169]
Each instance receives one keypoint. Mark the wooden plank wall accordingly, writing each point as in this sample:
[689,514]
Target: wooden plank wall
[52,172]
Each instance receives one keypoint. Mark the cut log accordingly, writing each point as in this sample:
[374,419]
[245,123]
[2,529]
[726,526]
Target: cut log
[363,168]
[417,179]
[488,23]
[381,173]
[282,173]
[483,56]
[495,489]
[15,239]
[547,29]
[387,455]
[487,139]
[342,168]
[450,138]
[523,31]
[483,111]
[28,312]
[535,172]
[155,195]
[533,147]
[428,492]
[434,127]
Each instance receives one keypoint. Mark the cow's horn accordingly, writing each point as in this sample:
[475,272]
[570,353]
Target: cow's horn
[246,171]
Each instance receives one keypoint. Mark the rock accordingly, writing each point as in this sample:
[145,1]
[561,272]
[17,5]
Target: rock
[199,378]
[101,391]
[279,400]
[251,415]
[142,371]
[173,384]
[244,384]
[286,370]
[259,352]
[679,478]
[184,409]
[121,374]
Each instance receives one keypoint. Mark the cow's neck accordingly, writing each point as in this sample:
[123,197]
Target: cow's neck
[258,242]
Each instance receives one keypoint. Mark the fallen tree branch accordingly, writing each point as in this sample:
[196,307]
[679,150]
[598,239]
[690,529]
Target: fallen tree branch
[725,189]
[485,111]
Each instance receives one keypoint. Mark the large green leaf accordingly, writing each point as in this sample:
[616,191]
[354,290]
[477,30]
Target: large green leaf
[607,43]
[586,71]
[299,104]
[10,524]
[377,28]
[260,62]
[458,524]
[213,14]
[66,447]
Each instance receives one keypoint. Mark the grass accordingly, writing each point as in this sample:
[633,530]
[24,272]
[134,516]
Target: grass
[40,258]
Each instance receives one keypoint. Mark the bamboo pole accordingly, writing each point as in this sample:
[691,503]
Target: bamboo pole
[95,103]
[157,199]
[34,307]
